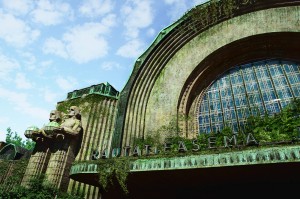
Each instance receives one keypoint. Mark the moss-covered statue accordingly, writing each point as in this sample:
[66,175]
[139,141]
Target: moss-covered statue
[56,128]
[48,131]
[71,125]
[59,140]
[65,146]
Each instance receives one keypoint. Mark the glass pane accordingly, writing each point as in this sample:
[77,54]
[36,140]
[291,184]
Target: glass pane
[260,87]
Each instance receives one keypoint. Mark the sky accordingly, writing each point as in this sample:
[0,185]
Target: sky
[51,47]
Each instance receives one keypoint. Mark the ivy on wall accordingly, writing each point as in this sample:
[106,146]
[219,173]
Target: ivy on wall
[84,103]
[114,170]
[278,127]
[11,173]
[213,11]
[266,129]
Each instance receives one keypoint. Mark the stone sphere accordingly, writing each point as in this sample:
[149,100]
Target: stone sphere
[51,127]
[29,131]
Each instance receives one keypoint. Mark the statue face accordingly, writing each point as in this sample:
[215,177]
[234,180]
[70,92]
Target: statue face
[52,116]
[55,116]
[72,111]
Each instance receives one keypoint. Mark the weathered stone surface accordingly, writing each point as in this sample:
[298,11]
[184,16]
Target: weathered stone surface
[163,86]
[163,101]
[270,155]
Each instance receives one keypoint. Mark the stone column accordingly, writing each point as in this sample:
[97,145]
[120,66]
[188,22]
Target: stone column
[63,153]
[43,137]
[66,145]
[38,162]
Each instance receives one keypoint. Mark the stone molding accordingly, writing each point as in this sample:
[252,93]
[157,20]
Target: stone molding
[269,155]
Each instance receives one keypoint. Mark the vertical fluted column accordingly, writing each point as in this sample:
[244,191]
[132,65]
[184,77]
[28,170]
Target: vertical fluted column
[38,162]
[63,154]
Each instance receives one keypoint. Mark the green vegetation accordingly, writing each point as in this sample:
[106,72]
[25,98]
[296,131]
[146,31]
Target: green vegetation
[210,12]
[84,103]
[11,173]
[14,138]
[114,170]
[36,189]
[278,127]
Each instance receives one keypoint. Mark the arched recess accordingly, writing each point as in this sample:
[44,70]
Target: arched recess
[278,45]
[153,94]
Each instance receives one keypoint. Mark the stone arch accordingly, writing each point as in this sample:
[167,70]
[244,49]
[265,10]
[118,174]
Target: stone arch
[263,46]
[156,91]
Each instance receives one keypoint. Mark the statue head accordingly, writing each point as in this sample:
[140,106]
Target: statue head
[54,116]
[74,111]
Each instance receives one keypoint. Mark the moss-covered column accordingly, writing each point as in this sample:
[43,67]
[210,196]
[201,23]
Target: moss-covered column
[63,154]
[64,149]
[43,137]
[38,161]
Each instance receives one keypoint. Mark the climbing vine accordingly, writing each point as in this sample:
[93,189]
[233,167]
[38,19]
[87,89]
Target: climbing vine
[266,129]
[281,126]
[84,103]
[114,170]
[11,173]
[210,12]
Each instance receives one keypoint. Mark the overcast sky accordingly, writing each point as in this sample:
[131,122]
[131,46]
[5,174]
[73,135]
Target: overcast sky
[51,47]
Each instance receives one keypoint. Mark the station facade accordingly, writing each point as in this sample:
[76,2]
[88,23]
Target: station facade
[220,63]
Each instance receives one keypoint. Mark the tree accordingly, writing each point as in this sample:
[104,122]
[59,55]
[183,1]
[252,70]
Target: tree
[14,138]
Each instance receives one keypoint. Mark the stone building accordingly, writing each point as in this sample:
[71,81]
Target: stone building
[220,63]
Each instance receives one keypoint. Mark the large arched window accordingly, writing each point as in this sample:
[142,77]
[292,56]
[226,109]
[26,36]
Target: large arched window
[264,86]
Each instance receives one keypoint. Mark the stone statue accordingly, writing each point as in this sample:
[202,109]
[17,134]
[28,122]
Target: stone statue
[39,159]
[55,142]
[48,130]
[71,125]
[66,145]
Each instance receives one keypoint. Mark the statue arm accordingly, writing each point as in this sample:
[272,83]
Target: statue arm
[74,130]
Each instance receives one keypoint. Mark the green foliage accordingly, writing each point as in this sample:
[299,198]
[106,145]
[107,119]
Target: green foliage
[229,6]
[153,139]
[36,189]
[84,103]
[226,131]
[202,141]
[11,173]
[114,169]
[210,12]
[14,138]
[278,127]
[170,130]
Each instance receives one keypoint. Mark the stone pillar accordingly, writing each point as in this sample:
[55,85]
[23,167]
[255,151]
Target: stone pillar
[63,153]
[43,137]
[64,149]
[38,162]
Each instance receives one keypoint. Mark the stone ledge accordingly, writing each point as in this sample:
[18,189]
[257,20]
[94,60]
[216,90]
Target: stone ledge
[247,157]
[237,158]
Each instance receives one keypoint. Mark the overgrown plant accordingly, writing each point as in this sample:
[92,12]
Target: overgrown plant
[277,127]
[209,13]
[11,173]
[84,103]
[114,170]
[35,189]
[265,128]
